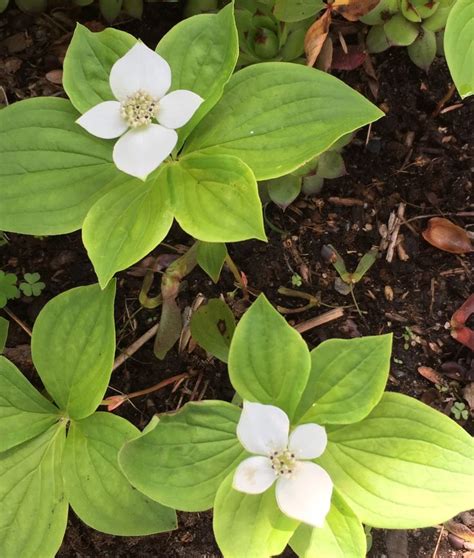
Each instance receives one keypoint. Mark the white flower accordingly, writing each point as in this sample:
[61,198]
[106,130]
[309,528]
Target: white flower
[303,489]
[139,81]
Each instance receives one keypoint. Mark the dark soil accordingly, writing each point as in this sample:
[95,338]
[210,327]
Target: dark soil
[409,156]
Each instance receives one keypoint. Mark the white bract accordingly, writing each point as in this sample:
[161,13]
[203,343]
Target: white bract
[139,81]
[303,489]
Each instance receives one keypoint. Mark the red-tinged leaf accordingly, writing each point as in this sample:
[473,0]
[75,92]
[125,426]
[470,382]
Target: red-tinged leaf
[431,375]
[351,60]
[315,37]
[114,401]
[352,10]
[463,313]
[465,336]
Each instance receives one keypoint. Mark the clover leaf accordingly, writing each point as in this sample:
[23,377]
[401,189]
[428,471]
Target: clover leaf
[8,288]
[32,286]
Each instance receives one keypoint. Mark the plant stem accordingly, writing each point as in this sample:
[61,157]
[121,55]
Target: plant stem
[16,319]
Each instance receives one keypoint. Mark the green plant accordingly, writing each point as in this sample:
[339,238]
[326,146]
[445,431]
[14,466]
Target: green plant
[61,453]
[415,24]
[267,121]
[32,286]
[8,288]
[459,411]
[459,46]
[343,452]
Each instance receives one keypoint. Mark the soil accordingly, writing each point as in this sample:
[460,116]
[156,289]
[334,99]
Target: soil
[409,157]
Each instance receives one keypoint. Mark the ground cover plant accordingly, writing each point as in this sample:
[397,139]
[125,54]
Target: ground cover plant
[394,231]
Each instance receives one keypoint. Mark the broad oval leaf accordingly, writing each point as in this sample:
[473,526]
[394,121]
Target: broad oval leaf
[51,170]
[342,535]
[459,46]
[212,327]
[276,116]
[404,466]
[269,361]
[73,346]
[96,488]
[202,52]
[215,198]
[4,325]
[211,257]
[297,10]
[182,461]
[250,524]
[125,225]
[347,379]
[24,412]
[33,514]
[88,62]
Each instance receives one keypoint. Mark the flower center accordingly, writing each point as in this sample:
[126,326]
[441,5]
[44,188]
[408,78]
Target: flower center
[139,109]
[283,463]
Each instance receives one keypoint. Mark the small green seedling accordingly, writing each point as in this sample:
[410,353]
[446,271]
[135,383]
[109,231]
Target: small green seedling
[459,411]
[296,280]
[317,451]
[32,286]
[8,288]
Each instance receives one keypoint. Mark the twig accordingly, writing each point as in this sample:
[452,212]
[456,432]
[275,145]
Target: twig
[16,319]
[320,320]
[435,553]
[451,214]
[443,101]
[395,230]
[133,348]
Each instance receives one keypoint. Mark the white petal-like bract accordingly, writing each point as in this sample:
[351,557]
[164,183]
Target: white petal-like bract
[263,429]
[254,475]
[177,108]
[104,120]
[140,69]
[306,494]
[308,441]
[141,151]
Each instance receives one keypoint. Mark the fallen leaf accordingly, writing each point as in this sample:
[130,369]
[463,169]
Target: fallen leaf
[324,60]
[315,37]
[445,235]
[431,375]
[468,394]
[348,61]
[17,42]
[55,76]
[352,10]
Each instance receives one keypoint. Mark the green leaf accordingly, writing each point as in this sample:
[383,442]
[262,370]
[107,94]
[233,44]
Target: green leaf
[202,52]
[51,170]
[215,198]
[342,535]
[347,380]
[88,62]
[248,524]
[32,285]
[24,412]
[296,10]
[211,257]
[212,327]
[365,263]
[404,466]
[283,190]
[33,514]
[8,288]
[73,346]
[4,325]
[125,225]
[97,490]
[183,460]
[275,116]
[269,361]
[459,46]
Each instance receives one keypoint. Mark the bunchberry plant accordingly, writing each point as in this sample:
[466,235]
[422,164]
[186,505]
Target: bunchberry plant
[57,451]
[317,451]
[261,123]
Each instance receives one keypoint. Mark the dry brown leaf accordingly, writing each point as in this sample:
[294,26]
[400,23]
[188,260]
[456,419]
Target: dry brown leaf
[352,10]
[445,235]
[55,76]
[315,37]
[468,394]
[324,60]
[431,375]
